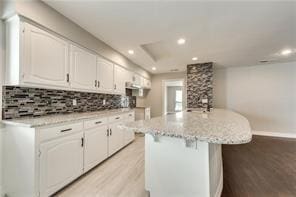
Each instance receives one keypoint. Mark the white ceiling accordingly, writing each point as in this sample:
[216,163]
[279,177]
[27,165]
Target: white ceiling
[227,33]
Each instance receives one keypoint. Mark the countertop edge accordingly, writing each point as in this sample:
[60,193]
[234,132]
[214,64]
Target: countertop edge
[107,113]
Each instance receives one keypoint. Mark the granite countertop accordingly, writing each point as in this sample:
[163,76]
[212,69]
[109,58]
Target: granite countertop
[219,126]
[62,118]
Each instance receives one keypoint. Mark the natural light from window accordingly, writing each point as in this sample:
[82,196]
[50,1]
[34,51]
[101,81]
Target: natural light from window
[178,101]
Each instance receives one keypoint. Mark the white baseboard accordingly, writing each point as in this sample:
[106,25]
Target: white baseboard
[274,134]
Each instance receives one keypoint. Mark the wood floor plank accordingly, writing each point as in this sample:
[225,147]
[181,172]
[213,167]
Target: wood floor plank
[266,167]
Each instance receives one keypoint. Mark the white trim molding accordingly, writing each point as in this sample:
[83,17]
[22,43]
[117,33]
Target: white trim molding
[274,134]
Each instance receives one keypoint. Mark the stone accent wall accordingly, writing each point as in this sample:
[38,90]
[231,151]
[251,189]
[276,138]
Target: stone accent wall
[199,84]
[30,102]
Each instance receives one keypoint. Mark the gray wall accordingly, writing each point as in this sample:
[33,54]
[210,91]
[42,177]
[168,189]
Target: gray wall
[154,98]
[265,94]
[46,16]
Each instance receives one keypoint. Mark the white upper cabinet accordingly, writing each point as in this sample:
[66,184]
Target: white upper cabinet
[83,69]
[137,79]
[120,75]
[44,57]
[147,83]
[129,76]
[105,75]
[41,58]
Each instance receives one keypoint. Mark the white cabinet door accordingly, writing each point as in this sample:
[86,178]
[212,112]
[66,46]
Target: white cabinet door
[119,79]
[129,76]
[147,83]
[137,79]
[115,140]
[45,58]
[129,134]
[105,75]
[83,69]
[96,146]
[61,161]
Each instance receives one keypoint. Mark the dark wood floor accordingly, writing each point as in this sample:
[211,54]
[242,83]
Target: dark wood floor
[266,167]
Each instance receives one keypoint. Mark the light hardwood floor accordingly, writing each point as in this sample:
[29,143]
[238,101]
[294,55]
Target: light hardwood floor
[122,175]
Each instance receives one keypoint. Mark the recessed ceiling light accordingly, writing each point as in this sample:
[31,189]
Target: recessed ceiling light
[131,52]
[181,41]
[153,68]
[286,52]
[195,58]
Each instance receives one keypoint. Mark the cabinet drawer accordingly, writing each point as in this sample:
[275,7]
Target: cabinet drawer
[116,118]
[58,131]
[95,122]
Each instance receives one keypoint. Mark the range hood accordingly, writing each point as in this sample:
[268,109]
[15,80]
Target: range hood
[130,85]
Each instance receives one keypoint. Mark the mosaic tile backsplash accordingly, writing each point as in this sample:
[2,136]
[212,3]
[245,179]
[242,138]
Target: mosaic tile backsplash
[25,102]
[199,85]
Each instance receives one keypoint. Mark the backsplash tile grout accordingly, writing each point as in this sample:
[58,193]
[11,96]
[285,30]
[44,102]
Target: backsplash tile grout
[20,102]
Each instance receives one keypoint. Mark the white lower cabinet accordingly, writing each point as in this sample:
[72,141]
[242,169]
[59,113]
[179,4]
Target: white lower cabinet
[96,146]
[42,160]
[61,161]
[129,135]
[115,139]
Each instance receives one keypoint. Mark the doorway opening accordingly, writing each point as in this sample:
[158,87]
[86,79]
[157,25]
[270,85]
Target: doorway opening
[173,96]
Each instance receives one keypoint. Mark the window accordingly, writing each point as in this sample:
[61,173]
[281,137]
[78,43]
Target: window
[178,101]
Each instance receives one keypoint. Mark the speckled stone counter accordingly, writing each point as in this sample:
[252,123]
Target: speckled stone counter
[219,126]
[57,119]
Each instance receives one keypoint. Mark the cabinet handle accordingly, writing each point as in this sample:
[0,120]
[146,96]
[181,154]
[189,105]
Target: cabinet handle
[98,84]
[130,114]
[110,131]
[107,132]
[82,142]
[95,83]
[64,130]
[117,118]
[114,86]
[68,77]
[99,122]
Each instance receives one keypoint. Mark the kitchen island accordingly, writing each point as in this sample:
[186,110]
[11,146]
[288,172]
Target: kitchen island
[183,154]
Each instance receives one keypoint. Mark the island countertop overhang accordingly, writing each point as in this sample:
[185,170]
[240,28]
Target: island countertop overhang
[220,126]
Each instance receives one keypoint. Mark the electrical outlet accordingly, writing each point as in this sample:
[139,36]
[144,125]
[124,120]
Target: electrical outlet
[74,102]
[104,101]
[204,100]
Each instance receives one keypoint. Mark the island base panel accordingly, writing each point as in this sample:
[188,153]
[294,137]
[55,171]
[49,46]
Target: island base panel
[173,169]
